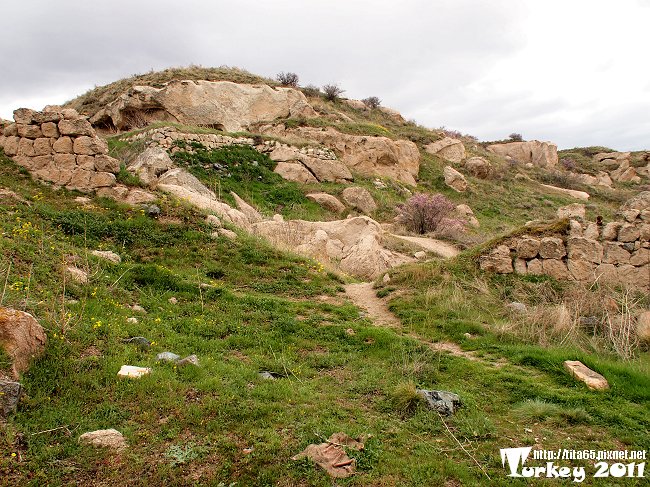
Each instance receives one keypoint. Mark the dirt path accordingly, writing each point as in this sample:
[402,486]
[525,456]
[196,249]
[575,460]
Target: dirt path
[365,297]
[439,247]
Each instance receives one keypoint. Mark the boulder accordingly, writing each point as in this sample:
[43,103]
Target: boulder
[327,201]
[21,337]
[574,210]
[151,164]
[445,403]
[359,198]
[535,267]
[540,154]
[451,150]
[24,116]
[63,145]
[579,195]
[580,371]
[610,231]
[180,177]
[628,233]
[327,170]
[353,245]
[109,438]
[478,167]
[454,179]
[639,202]
[498,261]
[552,248]
[76,127]
[224,105]
[614,156]
[581,270]
[89,146]
[295,171]
[251,213]
[77,275]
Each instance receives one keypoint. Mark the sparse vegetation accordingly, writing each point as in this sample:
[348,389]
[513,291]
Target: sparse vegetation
[423,213]
[372,102]
[287,79]
[331,92]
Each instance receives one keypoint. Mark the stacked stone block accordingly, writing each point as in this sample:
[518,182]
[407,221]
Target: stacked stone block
[615,253]
[60,146]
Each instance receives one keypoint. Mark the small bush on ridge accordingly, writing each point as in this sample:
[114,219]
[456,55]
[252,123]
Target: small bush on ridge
[332,92]
[287,79]
[424,213]
[372,102]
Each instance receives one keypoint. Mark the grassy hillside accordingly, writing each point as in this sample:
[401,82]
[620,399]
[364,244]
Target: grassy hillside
[244,308]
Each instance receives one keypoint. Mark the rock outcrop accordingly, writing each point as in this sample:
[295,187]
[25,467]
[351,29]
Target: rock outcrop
[541,154]
[228,106]
[360,199]
[449,149]
[478,167]
[59,146]
[368,155]
[454,179]
[327,201]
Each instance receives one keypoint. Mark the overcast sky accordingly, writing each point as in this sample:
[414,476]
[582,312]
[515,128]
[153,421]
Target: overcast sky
[574,72]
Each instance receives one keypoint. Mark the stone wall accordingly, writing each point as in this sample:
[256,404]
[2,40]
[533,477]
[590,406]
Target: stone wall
[615,253]
[59,146]
[167,137]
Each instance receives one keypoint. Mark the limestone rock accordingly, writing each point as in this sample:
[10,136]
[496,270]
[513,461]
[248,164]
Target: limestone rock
[295,171]
[643,326]
[359,198]
[228,106]
[251,213]
[581,270]
[465,213]
[498,261]
[369,156]
[540,154]
[552,248]
[574,210]
[109,438]
[535,267]
[105,163]
[580,371]
[133,372]
[451,150]
[21,337]
[478,167]
[610,231]
[528,248]
[327,170]
[555,268]
[639,202]
[454,179]
[628,233]
[580,248]
[76,127]
[24,116]
[327,201]
[579,195]
[77,275]
[151,164]
[63,145]
[640,257]
[89,146]
[445,403]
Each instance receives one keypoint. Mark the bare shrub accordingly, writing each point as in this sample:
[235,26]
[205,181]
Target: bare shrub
[332,92]
[311,90]
[287,79]
[372,102]
[424,213]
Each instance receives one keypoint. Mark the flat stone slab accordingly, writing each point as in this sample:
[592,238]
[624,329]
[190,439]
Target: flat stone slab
[446,403]
[133,372]
[580,371]
[109,438]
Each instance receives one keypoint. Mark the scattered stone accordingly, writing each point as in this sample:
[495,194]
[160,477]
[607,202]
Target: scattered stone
[133,372]
[10,393]
[167,357]
[517,307]
[107,255]
[173,300]
[446,403]
[213,221]
[133,320]
[464,212]
[580,371]
[579,195]
[139,341]
[552,248]
[138,308]
[454,179]
[189,360]
[385,279]
[420,254]
[152,211]
[21,337]
[498,261]
[109,438]
[229,234]
[350,332]
[266,375]
[77,275]
[528,248]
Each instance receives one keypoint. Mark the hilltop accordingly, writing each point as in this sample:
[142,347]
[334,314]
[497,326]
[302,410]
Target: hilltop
[323,259]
